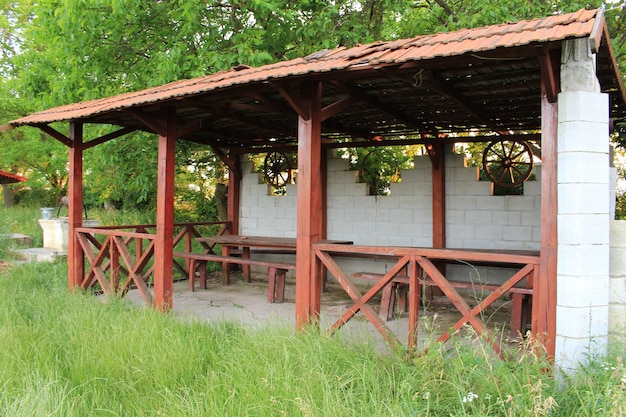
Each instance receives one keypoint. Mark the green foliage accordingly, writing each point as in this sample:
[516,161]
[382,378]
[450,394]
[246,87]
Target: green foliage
[63,51]
[124,171]
[380,167]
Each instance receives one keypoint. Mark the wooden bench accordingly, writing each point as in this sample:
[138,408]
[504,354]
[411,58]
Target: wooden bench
[277,271]
[398,289]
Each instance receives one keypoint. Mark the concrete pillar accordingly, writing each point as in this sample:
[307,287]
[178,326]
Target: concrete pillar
[583,211]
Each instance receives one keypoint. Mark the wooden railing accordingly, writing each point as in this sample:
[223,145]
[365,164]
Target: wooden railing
[120,257]
[420,264]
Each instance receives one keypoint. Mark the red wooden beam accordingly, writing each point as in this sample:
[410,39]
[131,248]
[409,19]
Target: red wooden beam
[164,242]
[232,162]
[310,219]
[113,135]
[57,135]
[550,80]
[297,103]
[75,259]
[338,106]
[155,125]
[595,37]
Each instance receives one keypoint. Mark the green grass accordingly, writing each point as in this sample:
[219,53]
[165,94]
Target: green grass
[72,354]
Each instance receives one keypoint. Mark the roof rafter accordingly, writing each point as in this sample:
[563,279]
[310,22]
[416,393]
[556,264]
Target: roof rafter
[361,95]
[433,82]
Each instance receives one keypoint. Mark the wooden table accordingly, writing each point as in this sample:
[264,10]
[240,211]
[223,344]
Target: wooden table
[246,243]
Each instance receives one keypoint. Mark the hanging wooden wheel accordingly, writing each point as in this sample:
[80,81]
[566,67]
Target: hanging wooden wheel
[277,169]
[508,163]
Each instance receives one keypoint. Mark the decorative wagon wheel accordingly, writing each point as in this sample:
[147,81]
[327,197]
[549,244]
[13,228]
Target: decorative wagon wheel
[379,169]
[277,169]
[508,163]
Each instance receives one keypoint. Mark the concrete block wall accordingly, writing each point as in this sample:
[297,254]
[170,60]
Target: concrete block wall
[475,218]
[262,214]
[617,285]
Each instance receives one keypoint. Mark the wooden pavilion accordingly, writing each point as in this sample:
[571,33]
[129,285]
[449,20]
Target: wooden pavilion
[8,178]
[472,85]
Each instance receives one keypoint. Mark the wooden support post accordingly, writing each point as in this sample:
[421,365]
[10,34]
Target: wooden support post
[310,218]
[75,259]
[544,302]
[437,154]
[164,244]
[324,175]
[233,200]
[234,196]
[438,158]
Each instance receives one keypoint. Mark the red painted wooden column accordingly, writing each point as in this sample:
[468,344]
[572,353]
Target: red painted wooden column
[234,197]
[438,160]
[164,244]
[75,259]
[544,298]
[310,217]
[437,154]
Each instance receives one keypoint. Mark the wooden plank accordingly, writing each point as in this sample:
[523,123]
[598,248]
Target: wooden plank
[234,260]
[495,294]
[456,299]
[75,260]
[449,254]
[309,205]
[163,249]
[95,273]
[114,268]
[360,301]
[455,284]
[415,294]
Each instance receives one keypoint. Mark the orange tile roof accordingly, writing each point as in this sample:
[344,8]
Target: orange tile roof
[553,28]
[8,178]
[485,80]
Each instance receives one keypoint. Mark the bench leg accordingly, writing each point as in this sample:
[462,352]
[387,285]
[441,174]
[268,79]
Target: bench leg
[225,266]
[201,266]
[402,297]
[387,301]
[280,284]
[202,272]
[517,316]
[245,267]
[276,285]
[192,274]
[527,308]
